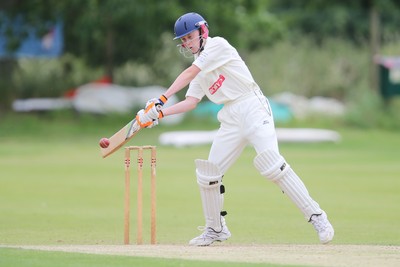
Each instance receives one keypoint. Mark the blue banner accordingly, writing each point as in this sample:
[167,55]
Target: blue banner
[49,44]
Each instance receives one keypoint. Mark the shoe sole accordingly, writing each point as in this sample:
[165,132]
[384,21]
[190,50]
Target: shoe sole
[216,240]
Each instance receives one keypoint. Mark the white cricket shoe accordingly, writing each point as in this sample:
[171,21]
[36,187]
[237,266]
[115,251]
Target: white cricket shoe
[323,227]
[209,236]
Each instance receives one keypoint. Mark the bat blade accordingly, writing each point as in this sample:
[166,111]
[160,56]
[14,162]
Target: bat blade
[120,138]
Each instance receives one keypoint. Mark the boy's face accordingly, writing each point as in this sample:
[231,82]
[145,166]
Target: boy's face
[191,41]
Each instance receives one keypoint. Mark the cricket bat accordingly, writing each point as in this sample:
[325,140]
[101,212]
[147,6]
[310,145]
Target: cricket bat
[120,138]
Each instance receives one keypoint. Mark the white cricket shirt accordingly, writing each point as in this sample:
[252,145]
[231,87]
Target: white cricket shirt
[224,76]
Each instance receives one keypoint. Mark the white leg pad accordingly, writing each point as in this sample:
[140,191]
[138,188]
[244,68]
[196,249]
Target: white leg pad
[209,178]
[274,167]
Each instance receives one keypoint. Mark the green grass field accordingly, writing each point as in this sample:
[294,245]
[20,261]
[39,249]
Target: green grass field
[55,189]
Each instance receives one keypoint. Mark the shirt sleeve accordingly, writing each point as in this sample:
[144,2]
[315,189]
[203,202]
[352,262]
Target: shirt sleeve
[195,90]
[216,53]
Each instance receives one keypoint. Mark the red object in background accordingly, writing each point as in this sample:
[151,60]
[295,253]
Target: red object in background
[103,80]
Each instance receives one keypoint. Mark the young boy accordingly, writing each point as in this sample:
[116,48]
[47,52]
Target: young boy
[219,73]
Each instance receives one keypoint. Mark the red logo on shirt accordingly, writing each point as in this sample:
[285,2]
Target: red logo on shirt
[214,88]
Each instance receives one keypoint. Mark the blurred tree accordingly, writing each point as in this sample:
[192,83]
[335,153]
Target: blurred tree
[35,14]
[360,21]
[341,18]
[111,32]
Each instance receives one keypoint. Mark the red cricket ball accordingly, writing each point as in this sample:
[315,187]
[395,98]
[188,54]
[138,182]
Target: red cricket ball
[104,142]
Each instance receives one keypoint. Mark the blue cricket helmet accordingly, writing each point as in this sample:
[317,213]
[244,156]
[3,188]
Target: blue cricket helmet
[188,23]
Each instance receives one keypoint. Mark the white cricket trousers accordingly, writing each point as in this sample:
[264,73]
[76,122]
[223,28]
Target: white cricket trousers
[247,120]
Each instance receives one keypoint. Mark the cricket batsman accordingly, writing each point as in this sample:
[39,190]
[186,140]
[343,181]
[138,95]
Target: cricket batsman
[219,73]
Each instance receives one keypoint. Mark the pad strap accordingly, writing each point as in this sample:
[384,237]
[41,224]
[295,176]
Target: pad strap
[208,174]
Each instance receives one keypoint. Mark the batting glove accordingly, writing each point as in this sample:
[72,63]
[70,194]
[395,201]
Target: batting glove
[162,100]
[157,101]
[143,119]
[153,124]
[154,110]
[148,118]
